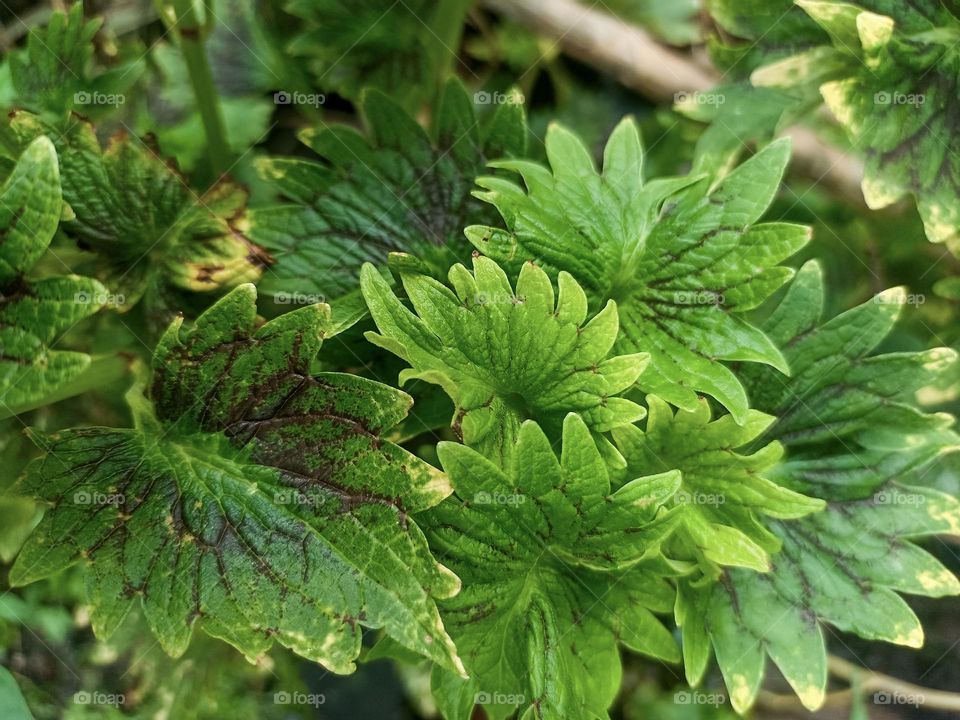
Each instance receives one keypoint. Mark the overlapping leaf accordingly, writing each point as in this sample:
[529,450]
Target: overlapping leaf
[391,46]
[852,436]
[554,576]
[253,499]
[888,72]
[400,191]
[34,311]
[146,224]
[728,493]
[682,260]
[506,355]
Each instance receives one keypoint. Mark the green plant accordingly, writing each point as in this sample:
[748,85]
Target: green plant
[529,425]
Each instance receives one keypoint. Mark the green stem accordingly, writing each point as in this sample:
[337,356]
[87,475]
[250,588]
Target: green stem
[446,27]
[192,35]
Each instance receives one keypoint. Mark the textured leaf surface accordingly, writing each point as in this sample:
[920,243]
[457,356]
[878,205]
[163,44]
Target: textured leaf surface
[52,71]
[682,266]
[34,312]
[504,354]
[727,492]
[400,189]
[554,575]
[888,72]
[252,498]
[146,224]
[843,566]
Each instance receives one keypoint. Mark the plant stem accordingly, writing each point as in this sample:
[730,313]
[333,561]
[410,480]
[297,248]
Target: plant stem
[446,29]
[192,36]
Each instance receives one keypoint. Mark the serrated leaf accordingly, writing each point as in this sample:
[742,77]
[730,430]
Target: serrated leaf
[682,266]
[854,437]
[887,71]
[142,218]
[555,575]
[52,72]
[399,189]
[34,312]
[728,494]
[252,498]
[505,354]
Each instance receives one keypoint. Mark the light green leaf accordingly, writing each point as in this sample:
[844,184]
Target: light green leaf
[252,498]
[556,570]
[682,266]
[727,493]
[506,355]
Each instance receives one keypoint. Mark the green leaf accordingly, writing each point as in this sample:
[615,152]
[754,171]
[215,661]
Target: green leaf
[34,312]
[379,44]
[556,573]
[11,699]
[728,494]
[853,436]
[52,73]
[506,355]
[399,189]
[143,219]
[682,266]
[252,498]
[887,71]
[844,414]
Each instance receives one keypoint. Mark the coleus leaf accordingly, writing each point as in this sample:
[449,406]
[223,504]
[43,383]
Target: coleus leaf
[682,266]
[149,228]
[33,312]
[251,498]
[728,493]
[52,70]
[374,44]
[845,565]
[888,72]
[401,189]
[507,355]
[556,573]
